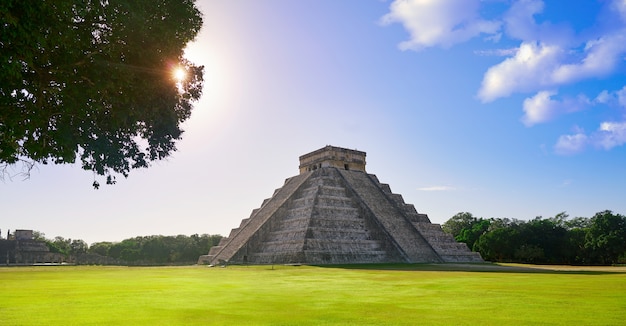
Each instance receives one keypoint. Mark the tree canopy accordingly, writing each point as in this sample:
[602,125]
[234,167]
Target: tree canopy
[93,81]
[140,250]
[556,240]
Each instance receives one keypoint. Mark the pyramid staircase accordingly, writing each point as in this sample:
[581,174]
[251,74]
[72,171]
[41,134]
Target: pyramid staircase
[333,216]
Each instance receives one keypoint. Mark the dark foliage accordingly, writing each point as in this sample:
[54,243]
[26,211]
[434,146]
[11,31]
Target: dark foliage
[91,81]
[558,240]
[605,239]
[157,249]
[148,250]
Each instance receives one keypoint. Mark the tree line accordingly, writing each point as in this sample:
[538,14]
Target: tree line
[142,250]
[599,240]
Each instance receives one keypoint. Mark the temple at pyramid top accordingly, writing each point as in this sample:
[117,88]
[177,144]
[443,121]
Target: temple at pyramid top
[331,156]
[334,212]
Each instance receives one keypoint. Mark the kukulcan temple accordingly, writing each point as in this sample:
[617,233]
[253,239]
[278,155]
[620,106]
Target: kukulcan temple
[334,212]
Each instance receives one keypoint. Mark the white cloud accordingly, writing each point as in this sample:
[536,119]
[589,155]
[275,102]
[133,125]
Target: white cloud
[620,7]
[495,38]
[520,24]
[621,96]
[610,134]
[527,70]
[616,98]
[519,21]
[438,22]
[542,107]
[601,58]
[537,66]
[437,188]
[571,144]
[604,97]
[497,52]
[550,55]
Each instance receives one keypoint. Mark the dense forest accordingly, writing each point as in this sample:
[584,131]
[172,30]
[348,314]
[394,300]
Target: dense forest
[146,250]
[599,240]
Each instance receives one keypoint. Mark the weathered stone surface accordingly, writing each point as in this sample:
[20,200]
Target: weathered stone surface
[331,214]
[27,251]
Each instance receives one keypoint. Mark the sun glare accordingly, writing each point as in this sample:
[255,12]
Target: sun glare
[179,74]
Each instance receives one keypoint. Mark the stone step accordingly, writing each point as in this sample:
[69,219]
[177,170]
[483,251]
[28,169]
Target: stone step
[325,216]
[214,250]
[294,234]
[449,247]
[337,232]
[306,192]
[318,257]
[341,245]
[471,257]
[204,259]
[330,235]
[299,212]
[282,245]
[333,191]
[345,258]
[292,223]
[339,212]
[233,232]
[340,223]
[367,187]
[223,241]
[413,215]
[244,222]
[385,187]
[334,201]
[258,220]
[302,202]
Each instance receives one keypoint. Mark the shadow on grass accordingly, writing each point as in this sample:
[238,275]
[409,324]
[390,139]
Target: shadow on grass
[485,267]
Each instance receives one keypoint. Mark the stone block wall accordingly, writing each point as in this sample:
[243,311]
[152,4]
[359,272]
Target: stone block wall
[391,218]
[239,237]
[332,215]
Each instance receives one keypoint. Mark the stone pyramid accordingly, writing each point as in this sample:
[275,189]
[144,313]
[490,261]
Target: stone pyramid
[334,212]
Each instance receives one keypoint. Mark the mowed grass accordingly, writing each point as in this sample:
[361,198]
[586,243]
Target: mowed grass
[310,295]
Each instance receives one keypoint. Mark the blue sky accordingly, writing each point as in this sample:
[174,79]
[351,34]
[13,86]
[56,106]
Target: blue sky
[500,108]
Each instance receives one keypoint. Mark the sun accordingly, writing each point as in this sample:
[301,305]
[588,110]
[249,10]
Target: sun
[179,74]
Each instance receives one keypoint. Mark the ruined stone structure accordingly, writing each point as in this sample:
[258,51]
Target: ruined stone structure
[334,212]
[21,248]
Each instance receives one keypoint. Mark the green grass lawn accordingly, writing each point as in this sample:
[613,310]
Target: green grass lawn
[309,295]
